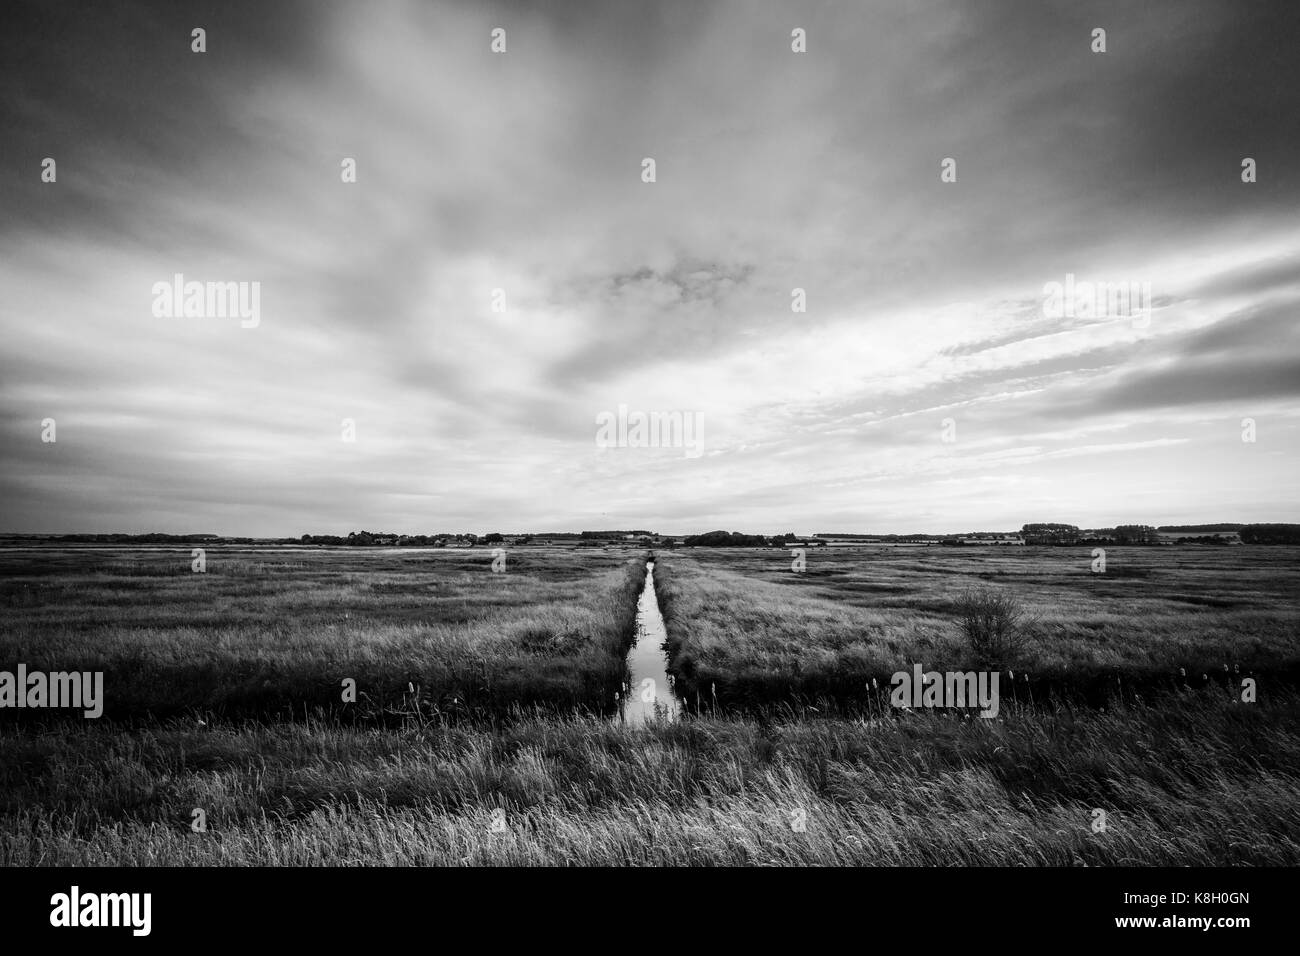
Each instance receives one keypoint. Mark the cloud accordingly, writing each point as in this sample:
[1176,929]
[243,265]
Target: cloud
[521,173]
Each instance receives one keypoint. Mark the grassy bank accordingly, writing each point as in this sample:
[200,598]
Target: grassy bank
[223,696]
[741,622]
[273,635]
[1192,781]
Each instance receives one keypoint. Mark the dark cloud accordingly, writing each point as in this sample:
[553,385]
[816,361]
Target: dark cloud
[521,173]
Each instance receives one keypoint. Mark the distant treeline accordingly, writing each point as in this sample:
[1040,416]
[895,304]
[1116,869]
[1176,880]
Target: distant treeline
[150,538]
[1198,528]
[362,539]
[1068,534]
[452,539]
[1270,533]
[1038,533]
[727,539]
[879,537]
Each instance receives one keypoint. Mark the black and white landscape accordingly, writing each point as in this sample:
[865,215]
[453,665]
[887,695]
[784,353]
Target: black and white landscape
[608,434]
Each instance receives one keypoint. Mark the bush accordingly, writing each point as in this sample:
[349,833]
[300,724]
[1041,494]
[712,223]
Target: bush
[725,539]
[995,625]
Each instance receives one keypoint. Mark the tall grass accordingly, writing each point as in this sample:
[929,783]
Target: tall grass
[1192,781]
[275,639]
[483,692]
[742,624]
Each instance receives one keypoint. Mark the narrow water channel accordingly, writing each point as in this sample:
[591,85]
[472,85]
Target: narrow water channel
[649,691]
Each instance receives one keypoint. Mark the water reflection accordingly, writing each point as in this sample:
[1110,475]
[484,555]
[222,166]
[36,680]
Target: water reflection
[649,692]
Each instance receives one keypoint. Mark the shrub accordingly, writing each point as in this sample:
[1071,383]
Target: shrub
[995,625]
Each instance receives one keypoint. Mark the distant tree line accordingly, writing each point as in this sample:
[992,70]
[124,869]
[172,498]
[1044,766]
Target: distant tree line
[876,537]
[1270,533]
[450,539]
[1135,534]
[1068,534]
[1249,533]
[730,539]
[1042,533]
[1139,534]
[1048,533]
[364,539]
[153,537]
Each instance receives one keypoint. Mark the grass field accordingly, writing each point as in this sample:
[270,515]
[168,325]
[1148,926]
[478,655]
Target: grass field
[1196,782]
[274,634]
[741,622]
[222,696]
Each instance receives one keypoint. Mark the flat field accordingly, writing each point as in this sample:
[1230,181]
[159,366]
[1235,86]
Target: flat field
[269,633]
[483,732]
[743,624]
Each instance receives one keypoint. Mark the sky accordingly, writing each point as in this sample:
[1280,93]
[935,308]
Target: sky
[500,276]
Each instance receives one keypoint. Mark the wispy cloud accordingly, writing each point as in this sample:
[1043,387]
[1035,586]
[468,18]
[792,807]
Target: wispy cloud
[488,180]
